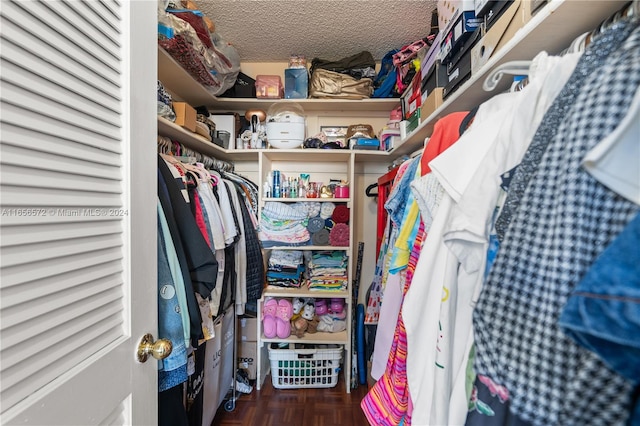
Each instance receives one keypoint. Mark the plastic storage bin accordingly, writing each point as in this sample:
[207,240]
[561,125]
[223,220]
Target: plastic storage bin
[296,83]
[269,86]
[305,368]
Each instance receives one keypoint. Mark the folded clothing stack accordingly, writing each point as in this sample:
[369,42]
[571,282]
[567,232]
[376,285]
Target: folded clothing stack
[328,270]
[283,225]
[285,268]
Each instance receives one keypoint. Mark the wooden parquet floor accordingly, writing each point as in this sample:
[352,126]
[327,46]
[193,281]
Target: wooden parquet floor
[296,407]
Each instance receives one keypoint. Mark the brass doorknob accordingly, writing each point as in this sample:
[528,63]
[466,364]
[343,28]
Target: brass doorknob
[160,349]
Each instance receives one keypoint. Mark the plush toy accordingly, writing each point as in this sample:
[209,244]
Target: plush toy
[312,319]
[298,304]
[299,326]
[306,322]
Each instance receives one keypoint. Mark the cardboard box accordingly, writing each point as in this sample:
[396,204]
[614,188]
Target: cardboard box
[185,115]
[503,30]
[269,87]
[458,76]
[248,357]
[431,103]
[248,329]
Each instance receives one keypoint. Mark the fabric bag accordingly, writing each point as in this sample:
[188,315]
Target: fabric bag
[358,66]
[329,84]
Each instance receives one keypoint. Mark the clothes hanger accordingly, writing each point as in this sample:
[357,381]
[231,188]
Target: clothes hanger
[511,68]
[578,45]
[631,11]
[163,144]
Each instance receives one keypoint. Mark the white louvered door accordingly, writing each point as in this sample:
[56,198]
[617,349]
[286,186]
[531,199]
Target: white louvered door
[78,210]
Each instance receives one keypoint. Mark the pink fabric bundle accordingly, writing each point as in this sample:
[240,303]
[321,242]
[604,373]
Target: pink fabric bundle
[339,235]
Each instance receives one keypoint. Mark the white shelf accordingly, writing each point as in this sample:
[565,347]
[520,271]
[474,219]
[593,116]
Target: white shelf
[340,338]
[317,199]
[308,155]
[304,292]
[308,248]
[200,144]
[551,29]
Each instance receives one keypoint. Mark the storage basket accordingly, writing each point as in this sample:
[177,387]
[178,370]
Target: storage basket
[305,368]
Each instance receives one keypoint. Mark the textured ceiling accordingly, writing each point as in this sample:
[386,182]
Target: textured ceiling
[270,30]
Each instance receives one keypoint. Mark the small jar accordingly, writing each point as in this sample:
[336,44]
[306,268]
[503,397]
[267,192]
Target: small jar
[341,191]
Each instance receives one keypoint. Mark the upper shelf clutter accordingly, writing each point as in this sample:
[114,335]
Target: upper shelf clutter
[551,29]
[184,88]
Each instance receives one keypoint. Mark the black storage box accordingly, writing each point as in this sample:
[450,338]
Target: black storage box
[435,77]
[244,87]
[495,11]
[459,67]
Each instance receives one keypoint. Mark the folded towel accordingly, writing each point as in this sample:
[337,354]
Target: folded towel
[315,224]
[309,208]
[340,214]
[339,235]
[320,238]
[327,210]
[282,211]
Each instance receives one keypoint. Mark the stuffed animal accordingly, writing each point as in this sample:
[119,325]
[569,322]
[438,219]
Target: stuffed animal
[312,319]
[299,326]
[298,304]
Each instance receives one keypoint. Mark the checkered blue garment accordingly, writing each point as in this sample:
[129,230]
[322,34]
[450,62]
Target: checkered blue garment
[563,220]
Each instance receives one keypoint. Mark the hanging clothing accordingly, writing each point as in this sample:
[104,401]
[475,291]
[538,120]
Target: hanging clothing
[562,220]
[195,320]
[436,347]
[253,256]
[388,401]
[467,233]
[603,312]
[173,369]
[614,161]
[202,263]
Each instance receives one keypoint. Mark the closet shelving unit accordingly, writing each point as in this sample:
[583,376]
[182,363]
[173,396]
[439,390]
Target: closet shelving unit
[551,29]
[325,165]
